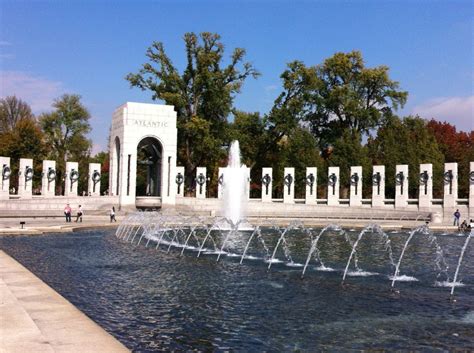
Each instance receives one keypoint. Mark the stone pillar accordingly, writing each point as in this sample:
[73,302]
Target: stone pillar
[180,181]
[72,178]
[48,179]
[311,185]
[378,186]
[401,186]
[93,185]
[201,182]
[471,190]
[450,180]
[220,183]
[289,185]
[267,182]
[333,186]
[25,178]
[168,188]
[426,186]
[356,186]
[5,178]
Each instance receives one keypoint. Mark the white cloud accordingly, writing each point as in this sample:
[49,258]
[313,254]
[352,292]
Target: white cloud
[37,91]
[458,111]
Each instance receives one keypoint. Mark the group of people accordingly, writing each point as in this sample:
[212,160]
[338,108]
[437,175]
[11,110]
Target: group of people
[464,226]
[68,213]
[80,212]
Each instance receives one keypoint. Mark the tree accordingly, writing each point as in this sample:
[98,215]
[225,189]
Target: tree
[340,94]
[251,131]
[65,129]
[457,146]
[300,151]
[202,94]
[12,110]
[406,141]
[347,152]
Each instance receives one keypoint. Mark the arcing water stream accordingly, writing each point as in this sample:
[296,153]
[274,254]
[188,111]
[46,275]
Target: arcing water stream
[273,244]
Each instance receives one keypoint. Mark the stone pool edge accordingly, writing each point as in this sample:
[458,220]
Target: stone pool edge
[35,318]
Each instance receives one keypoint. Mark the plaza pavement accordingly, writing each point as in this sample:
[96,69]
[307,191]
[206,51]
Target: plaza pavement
[38,225]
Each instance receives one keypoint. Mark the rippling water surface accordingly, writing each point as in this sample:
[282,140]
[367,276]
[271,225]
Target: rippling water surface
[152,300]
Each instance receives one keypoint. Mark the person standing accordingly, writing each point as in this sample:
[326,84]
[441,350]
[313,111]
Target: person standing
[457,216]
[112,215]
[79,214]
[67,213]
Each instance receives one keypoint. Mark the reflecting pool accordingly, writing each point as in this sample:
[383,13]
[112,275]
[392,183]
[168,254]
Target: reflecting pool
[166,298]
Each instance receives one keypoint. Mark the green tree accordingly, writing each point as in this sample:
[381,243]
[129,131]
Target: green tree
[202,94]
[65,129]
[301,151]
[339,94]
[406,141]
[12,110]
[347,152]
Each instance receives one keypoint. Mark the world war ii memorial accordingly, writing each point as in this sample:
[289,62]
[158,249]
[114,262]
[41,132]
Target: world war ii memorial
[327,223]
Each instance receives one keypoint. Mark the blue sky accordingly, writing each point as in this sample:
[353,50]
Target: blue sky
[48,48]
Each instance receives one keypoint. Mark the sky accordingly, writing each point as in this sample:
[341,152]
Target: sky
[48,48]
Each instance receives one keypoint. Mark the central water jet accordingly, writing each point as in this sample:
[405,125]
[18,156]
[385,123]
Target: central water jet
[235,190]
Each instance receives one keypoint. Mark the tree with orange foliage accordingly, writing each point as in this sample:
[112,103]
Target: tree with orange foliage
[457,146]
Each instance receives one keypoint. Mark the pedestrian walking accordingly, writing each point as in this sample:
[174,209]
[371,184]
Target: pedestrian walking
[457,216]
[80,212]
[67,213]
[112,215]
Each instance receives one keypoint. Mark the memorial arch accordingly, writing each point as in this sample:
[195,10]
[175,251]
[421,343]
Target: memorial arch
[142,149]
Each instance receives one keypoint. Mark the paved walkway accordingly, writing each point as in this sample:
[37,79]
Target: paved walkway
[32,226]
[34,318]
[35,226]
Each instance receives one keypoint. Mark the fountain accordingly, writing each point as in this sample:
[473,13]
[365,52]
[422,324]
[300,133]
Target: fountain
[461,256]
[234,184]
[275,245]
[232,236]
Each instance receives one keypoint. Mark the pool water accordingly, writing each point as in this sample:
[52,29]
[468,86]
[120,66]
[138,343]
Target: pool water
[153,300]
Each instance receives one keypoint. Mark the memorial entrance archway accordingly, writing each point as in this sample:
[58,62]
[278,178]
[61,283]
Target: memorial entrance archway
[143,154]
